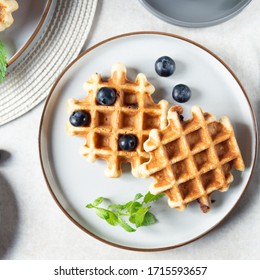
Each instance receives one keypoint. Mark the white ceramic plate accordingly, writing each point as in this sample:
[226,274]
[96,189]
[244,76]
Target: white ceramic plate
[74,182]
[30,21]
[191,13]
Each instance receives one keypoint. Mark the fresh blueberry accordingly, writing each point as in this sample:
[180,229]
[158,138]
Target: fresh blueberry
[165,66]
[80,118]
[127,142]
[181,93]
[106,96]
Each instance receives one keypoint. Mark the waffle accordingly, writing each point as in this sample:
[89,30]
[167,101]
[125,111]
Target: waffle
[192,159]
[6,9]
[134,112]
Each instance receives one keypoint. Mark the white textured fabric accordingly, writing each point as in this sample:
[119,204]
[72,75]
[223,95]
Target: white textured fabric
[30,82]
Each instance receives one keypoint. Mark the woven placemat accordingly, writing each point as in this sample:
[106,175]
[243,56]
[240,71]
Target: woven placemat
[30,82]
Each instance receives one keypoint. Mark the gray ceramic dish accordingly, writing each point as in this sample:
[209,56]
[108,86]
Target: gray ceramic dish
[195,13]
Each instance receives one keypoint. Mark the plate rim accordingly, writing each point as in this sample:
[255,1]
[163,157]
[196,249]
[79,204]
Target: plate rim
[193,24]
[40,24]
[40,133]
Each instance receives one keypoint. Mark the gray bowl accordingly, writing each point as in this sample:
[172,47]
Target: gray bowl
[195,13]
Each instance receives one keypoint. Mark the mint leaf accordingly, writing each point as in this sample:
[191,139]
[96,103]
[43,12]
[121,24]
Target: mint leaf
[112,218]
[102,213]
[149,219]
[138,196]
[107,215]
[151,197]
[115,207]
[139,216]
[3,61]
[134,207]
[90,205]
[98,201]
[127,205]
[132,219]
[125,225]
[138,213]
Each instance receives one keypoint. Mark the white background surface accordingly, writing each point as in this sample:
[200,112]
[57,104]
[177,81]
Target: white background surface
[35,228]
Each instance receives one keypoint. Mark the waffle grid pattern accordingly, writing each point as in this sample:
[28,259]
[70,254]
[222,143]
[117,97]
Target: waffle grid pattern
[197,156]
[134,112]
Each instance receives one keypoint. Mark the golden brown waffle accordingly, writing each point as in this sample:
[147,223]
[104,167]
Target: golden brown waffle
[191,159]
[134,112]
[6,9]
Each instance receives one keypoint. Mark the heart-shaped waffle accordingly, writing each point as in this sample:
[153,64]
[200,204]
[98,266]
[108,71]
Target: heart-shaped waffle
[191,159]
[134,112]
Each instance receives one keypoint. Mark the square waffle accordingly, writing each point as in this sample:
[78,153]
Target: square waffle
[189,160]
[134,112]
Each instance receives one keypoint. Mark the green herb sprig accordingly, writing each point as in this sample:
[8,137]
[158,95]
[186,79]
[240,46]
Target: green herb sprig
[3,61]
[136,211]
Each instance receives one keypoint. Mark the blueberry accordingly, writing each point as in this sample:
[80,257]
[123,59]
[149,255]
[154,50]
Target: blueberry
[181,93]
[80,118]
[165,66]
[106,96]
[127,142]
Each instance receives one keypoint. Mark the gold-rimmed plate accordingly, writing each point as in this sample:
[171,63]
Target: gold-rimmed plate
[74,182]
[30,20]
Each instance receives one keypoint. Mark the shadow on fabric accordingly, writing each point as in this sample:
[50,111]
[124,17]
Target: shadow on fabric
[8,212]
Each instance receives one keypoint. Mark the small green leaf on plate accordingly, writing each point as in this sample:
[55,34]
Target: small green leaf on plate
[98,201]
[149,219]
[139,216]
[135,206]
[102,213]
[112,218]
[151,197]
[138,196]
[125,225]
[90,205]
[115,207]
